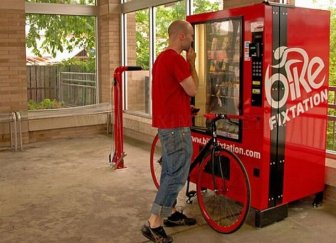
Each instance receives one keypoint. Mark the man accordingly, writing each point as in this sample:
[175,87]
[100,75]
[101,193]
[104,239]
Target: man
[174,81]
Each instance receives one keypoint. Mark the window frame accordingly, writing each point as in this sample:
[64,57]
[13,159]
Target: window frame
[69,10]
[133,6]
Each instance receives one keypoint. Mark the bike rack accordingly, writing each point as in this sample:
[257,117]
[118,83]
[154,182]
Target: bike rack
[19,130]
[117,161]
[16,130]
[14,121]
[13,131]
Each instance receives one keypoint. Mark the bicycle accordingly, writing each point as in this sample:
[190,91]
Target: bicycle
[222,183]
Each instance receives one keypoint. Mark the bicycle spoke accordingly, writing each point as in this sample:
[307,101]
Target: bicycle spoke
[225,203]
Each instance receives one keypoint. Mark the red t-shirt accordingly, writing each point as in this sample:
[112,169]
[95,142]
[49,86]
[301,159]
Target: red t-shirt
[171,104]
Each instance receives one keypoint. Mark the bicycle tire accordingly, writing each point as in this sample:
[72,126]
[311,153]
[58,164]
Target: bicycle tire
[226,207]
[155,161]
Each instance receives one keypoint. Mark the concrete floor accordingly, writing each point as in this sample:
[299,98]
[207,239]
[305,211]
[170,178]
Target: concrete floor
[65,191]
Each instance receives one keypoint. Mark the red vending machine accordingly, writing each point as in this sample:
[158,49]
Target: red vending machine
[269,64]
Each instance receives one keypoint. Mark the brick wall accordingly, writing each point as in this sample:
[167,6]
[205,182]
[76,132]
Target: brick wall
[13,92]
[131,41]
[108,44]
[72,132]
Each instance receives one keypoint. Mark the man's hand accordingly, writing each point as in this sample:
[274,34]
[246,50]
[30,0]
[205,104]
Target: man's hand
[191,57]
[190,84]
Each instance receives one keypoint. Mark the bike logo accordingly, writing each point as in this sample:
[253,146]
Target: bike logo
[293,82]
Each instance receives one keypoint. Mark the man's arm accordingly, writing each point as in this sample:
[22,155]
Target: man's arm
[190,84]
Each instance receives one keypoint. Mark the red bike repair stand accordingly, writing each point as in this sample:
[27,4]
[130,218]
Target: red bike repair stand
[117,162]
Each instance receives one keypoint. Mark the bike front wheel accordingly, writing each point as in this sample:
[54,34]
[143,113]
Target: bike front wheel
[155,161]
[223,191]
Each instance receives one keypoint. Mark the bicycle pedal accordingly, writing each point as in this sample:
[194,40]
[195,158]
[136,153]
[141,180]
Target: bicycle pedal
[191,194]
[189,201]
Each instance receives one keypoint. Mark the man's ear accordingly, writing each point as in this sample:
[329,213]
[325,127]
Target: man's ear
[182,36]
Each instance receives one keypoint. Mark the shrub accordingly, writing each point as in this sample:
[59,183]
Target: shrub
[44,104]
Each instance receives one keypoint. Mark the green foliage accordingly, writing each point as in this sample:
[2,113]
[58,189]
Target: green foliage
[61,33]
[44,104]
[331,143]
[165,15]
[201,6]
[142,38]
[332,69]
[77,65]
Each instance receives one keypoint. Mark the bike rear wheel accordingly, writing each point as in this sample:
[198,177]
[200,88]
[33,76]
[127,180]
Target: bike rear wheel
[155,161]
[223,191]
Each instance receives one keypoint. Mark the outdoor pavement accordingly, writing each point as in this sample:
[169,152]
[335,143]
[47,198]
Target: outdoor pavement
[65,191]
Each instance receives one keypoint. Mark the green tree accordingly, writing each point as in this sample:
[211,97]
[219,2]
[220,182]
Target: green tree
[201,6]
[332,76]
[332,54]
[53,33]
[142,38]
[164,15]
[332,71]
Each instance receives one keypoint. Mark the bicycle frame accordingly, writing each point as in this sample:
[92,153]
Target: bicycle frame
[220,176]
[210,146]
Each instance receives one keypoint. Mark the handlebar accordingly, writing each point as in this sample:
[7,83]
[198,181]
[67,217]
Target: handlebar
[214,117]
[133,68]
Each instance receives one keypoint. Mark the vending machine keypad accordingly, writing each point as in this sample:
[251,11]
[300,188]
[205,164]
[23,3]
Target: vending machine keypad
[256,54]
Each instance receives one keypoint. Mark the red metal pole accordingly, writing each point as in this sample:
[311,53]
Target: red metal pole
[118,156]
[118,120]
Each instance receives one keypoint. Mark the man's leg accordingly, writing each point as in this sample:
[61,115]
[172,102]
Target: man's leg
[176,157]
[182,143]
[177,152]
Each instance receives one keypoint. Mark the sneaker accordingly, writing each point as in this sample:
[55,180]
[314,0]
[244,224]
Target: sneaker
[178,219]
[157,235]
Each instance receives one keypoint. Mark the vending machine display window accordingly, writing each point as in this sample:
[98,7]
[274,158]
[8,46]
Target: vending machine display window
[219,50]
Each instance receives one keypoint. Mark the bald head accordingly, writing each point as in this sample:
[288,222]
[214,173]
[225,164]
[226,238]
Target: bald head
[181,35]
[177,27]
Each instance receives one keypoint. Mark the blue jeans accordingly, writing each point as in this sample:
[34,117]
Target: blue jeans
[176,157]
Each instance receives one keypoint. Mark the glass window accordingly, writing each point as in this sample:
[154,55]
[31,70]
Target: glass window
[137,82]
[82,2]
[202,6]
[138,46]
[164,15]
[219,48]
[61,60]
